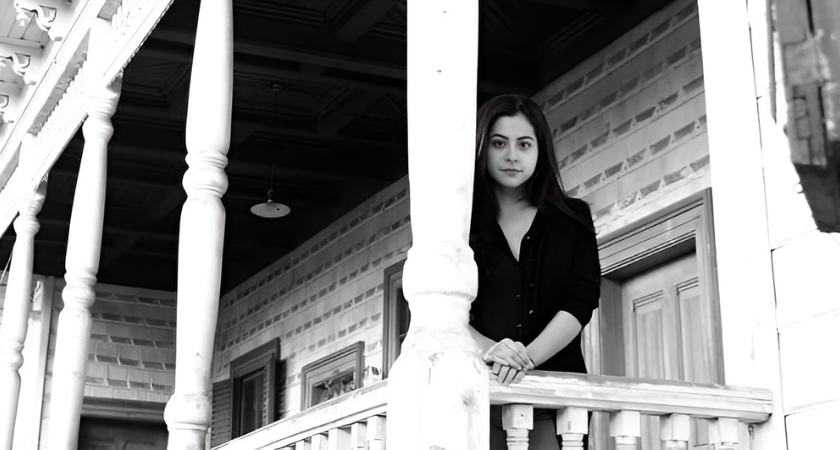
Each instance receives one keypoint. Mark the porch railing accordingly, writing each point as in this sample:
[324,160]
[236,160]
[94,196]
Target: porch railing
[356,420]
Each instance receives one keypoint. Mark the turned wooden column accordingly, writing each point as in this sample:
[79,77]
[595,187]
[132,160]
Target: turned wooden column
[517,421]
[573,426]
[437,391]
[202,225]
[16,311]
[626,430]
[82,263]
[675,431]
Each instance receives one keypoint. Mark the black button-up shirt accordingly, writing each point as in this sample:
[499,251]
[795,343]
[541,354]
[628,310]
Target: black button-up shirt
[558,270]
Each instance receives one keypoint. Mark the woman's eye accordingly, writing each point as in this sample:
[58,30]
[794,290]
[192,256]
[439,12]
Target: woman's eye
[498,143]
[525,145]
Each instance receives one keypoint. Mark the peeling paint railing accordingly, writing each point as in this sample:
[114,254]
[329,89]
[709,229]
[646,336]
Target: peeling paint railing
[357,420]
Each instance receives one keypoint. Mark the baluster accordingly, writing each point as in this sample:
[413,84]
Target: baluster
[376,433]
[358,432]
[319,442]
[82,263]
[573,425]
[16,311]
[302,445]
[626,429]
[339,439]
[675,431]
[517,421]
[202,226]
[723,434]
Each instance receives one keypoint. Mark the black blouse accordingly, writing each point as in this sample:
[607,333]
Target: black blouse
[558,270]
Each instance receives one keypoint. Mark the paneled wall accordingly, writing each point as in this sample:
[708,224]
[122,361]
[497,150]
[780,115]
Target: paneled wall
[321,297]
[629,123]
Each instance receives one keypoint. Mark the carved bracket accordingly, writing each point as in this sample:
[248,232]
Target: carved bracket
[48,15]
[9,102]
[23,60]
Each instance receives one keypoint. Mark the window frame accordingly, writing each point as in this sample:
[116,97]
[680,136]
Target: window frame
[264,358]
[351,357]
[393,276]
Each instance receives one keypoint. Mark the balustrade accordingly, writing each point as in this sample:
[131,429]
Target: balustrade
[356,421]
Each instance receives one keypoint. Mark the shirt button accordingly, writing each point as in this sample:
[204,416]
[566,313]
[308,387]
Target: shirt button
[517,295]
[527,237]
[519,325]
[531,312]
[531,285]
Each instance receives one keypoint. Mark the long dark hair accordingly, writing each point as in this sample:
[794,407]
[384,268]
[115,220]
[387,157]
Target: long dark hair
[545,184]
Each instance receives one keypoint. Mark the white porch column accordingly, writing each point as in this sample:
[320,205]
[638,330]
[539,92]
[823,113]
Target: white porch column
[745,276]
[438,395]
[202,224]
[83,246]
[16,312]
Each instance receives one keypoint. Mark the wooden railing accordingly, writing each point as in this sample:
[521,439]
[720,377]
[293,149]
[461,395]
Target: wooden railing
[356,420]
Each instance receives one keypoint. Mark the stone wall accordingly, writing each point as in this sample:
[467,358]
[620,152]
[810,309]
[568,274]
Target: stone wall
[629,123]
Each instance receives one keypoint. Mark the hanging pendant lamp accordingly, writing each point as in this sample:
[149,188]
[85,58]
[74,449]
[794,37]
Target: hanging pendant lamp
[270,209]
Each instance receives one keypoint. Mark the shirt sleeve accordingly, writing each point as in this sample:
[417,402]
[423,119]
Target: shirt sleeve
[584,285]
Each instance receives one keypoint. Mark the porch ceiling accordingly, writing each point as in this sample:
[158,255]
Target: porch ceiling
[319,93]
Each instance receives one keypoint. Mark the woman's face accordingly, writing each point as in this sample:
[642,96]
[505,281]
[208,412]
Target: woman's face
[512,153]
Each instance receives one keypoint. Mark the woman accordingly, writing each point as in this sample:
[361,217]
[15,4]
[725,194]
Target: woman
[537,256]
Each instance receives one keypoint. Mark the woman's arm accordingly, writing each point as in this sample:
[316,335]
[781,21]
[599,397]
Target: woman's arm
[555,337]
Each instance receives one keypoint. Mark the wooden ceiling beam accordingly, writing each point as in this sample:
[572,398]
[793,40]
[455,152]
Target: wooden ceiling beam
[343,111]
[165,52]
[360,18]
[293,54]
[584,4]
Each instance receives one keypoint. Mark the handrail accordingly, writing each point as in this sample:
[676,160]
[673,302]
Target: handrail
[551,390]
[554,390]
[339,412]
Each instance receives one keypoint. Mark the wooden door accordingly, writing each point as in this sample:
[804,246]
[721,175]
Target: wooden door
[115,434]
[664,330]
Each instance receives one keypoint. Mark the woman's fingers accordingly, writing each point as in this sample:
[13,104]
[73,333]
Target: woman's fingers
[511,353]
[504,374]
[519,376]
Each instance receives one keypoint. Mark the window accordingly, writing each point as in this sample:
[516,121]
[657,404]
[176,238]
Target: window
[253,382]
[396,316]
[332,376]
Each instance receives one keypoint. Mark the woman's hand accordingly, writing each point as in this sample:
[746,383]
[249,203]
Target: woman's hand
[509,360]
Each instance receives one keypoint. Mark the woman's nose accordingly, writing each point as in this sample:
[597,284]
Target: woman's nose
[510,155]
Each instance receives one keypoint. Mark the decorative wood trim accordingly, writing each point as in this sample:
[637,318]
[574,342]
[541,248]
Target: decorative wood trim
[390,321]
[348,358]
[263,357]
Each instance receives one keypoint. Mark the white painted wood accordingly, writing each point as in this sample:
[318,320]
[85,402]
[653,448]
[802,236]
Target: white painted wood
[573,425]
[16,312]
[745,277]
[517,421]
[723,434]
[675,431]
[339,439]
[34,373]
[319,442]
[438,385]
[202,226]
[376,433]
[654,397]
[83,247]
[358,436]
[626,429]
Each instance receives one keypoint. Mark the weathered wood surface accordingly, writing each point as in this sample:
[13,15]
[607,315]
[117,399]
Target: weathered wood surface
[655,397]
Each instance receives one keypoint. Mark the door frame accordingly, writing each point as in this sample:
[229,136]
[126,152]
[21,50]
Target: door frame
[680,228]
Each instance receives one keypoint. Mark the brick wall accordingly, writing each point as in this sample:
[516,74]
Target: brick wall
[322,296]
[629,123]
[132,348]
